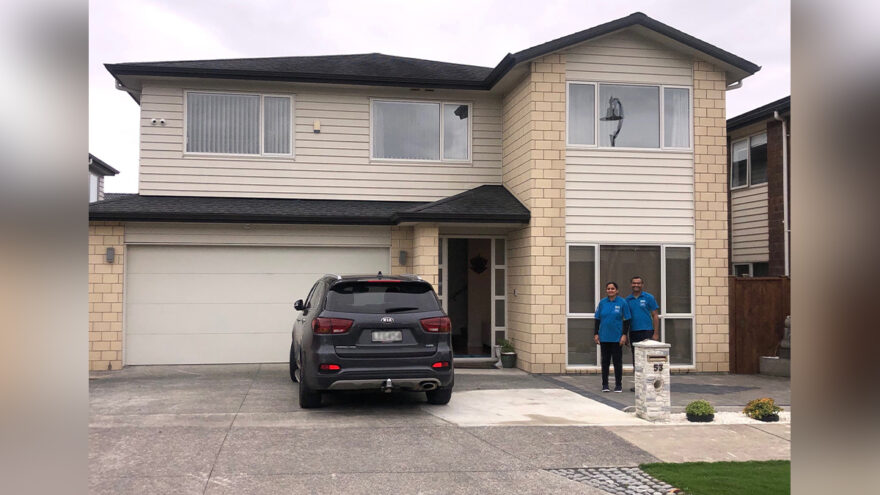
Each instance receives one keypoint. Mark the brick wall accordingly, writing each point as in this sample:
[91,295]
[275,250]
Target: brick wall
[533,169]
[775,209]
[401,240]
[426,259]
[105,296]
[710,183]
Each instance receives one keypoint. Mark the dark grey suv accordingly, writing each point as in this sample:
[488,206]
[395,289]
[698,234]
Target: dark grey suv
[371,332]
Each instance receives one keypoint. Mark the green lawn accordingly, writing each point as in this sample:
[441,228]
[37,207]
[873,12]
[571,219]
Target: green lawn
[725,478]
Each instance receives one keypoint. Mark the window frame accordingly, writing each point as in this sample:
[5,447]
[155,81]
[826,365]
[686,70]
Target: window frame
[662,130]
[663,316]
[748,141]
[470,132]
[261,123]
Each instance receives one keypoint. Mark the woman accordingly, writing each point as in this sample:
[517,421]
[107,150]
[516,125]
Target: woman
[612,321]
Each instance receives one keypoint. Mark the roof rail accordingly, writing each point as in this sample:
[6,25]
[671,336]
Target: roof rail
[333,275]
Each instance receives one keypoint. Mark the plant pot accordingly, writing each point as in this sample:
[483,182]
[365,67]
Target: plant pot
[700,419]
[770,418]
[508,359]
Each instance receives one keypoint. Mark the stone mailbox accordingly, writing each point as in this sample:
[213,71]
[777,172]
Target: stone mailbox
[652,380]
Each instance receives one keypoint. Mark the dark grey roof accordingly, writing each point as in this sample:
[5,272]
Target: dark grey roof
[379,69]
[764,112]
[485,204]
[482,204]
[99,167]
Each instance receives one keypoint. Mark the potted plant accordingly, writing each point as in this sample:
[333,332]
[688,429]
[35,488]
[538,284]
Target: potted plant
[508,354]
[700,411]
[764,409]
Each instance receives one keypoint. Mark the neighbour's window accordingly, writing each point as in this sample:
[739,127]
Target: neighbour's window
[238,124]
[748,161]
[93,188]
[406,130]
[629,116]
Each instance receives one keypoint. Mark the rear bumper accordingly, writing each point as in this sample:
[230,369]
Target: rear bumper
[414,374]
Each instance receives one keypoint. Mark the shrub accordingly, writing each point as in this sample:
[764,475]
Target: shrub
[699,408]
[506,346]
[761,408]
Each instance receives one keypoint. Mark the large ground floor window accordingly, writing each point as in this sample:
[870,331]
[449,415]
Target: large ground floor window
[667,271]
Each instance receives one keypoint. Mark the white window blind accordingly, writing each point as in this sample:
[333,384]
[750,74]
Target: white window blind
[223,123]
[276,125]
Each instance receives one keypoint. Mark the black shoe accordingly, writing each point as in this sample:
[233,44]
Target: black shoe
[605,388]
[618,389]
[632,389]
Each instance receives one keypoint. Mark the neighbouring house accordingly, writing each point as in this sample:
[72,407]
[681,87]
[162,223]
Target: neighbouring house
[517,190]
[760,171]
[97,171]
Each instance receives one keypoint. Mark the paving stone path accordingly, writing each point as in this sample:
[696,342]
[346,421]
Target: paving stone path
[617,480]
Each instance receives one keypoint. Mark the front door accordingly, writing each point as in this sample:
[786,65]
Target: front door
[473,291]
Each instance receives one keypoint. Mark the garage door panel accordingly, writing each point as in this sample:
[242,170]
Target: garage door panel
[235,288]
[170,319]
[208,348]
[255,259]
[224,304]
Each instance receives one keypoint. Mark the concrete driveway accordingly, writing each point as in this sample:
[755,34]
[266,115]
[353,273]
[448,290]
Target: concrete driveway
[239,429]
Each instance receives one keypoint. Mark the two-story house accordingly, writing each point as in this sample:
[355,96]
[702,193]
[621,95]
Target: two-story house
[97,171]
[760,226]
[517,190]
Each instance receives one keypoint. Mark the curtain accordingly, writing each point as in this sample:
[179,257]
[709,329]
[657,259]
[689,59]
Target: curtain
[676,103]
[406,130]
[276,125]
[223,123]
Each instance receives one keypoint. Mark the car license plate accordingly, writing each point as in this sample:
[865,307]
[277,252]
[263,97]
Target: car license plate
[387,336]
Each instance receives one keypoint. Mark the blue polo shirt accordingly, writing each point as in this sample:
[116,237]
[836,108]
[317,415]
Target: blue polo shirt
[641,308]
[611,315]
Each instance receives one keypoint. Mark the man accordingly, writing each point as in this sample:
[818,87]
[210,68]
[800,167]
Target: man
[645,323]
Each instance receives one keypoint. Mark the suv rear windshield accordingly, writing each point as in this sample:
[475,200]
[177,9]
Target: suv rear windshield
[381,297]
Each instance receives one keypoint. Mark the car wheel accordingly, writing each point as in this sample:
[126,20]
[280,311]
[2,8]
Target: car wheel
[439,396]
[308,398]
[292,363]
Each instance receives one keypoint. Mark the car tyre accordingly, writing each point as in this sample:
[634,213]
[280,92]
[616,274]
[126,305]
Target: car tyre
[439,396]
[308,398]
[292,364]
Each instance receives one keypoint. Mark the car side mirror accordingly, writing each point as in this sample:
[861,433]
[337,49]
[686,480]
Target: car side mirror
[298,305]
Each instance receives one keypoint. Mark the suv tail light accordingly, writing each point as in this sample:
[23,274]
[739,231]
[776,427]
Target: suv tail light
[437,325]
[331,325]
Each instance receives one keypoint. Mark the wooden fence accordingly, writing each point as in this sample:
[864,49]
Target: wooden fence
[758,307]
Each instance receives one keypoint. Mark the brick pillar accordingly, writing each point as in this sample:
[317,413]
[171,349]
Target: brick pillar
[105,296]
[710,184]
[401,240]
[775,210]
[426,256]
[533,169]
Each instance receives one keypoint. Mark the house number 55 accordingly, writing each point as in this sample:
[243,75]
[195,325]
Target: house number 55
[658,367]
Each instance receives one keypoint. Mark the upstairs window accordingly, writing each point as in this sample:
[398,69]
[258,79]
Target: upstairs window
[748,161]
[430,131]
[93,187]
[629,116]
[239,124]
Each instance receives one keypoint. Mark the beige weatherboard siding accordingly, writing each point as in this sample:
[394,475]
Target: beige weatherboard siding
[334,164]
[629,195]
[257,234]
[750,234]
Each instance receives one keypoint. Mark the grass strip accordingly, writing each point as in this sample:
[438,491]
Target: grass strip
[725,478]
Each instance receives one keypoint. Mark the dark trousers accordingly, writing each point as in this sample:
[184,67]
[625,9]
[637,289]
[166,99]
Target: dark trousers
[611,350]
[638,336]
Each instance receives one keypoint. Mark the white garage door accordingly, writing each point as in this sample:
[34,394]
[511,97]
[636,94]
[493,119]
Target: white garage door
[224,304]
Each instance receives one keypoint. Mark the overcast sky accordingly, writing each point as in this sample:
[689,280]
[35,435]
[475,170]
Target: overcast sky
[477,32]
